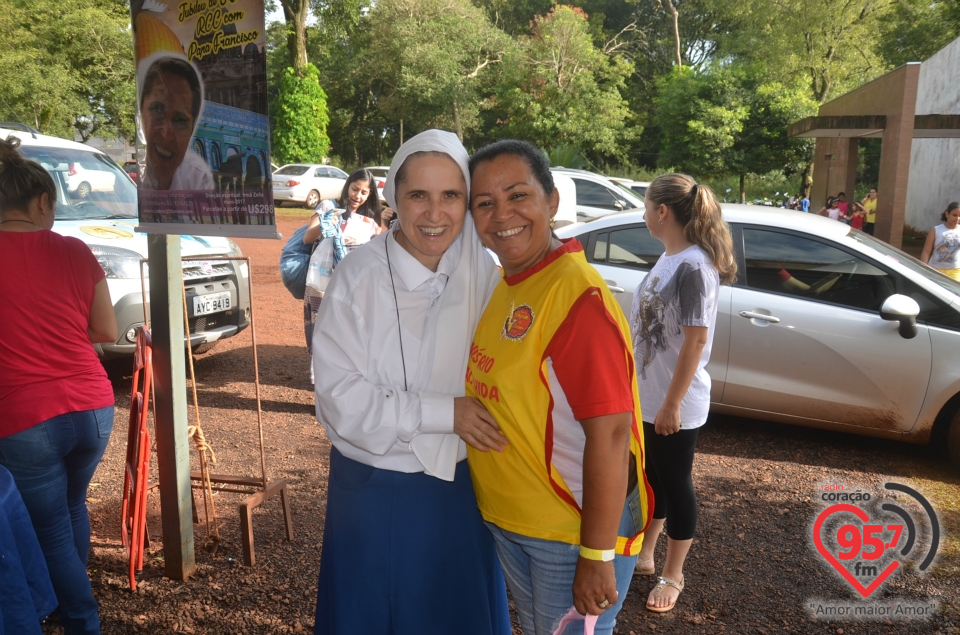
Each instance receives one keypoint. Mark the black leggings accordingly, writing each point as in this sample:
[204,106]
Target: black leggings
[670,474]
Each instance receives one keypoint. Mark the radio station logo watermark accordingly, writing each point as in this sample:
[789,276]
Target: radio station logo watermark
[866,538]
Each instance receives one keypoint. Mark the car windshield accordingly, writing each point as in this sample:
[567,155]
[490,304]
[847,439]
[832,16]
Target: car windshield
[632,194]
[89,184]
[292,170]
[908,261]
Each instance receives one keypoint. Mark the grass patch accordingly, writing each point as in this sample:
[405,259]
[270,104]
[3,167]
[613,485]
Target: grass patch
[944,495]
[295,213]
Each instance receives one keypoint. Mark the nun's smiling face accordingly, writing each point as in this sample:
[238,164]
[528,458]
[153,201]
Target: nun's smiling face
[431,207]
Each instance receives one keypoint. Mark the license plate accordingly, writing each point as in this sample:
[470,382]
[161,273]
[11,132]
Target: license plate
[211,303]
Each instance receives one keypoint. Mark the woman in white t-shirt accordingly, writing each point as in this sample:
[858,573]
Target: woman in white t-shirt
[673,318]
[942,249]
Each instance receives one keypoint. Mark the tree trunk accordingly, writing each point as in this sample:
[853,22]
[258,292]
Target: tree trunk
[295,14]
[743,188]
[456,121]
[675,15]
[807,181]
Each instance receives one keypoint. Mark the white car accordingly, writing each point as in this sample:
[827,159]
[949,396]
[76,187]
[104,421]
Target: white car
[597,196]
[88,175]
[637,187]
[869,343]
[307,183]
[218,303]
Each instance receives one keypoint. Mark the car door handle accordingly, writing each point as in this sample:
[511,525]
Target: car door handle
[753,315]
[612,285]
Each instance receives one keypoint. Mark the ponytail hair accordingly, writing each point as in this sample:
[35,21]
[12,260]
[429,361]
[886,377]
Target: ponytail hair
[952,206]
[696,208]
[21,180]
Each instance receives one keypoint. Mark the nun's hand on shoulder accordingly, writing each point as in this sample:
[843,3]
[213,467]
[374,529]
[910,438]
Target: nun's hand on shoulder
[476,426]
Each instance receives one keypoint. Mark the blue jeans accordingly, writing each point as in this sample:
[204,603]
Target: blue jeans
[52,464]
[540,574]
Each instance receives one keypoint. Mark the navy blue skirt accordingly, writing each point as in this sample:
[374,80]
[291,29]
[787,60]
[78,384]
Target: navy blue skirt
[406,554]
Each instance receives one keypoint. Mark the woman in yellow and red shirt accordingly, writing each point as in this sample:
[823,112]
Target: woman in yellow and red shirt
[552,362]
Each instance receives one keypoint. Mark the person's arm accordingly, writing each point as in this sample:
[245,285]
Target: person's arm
[103,320]
[606,457]
[694,339]
[364,414]
[314,227]
[313,230]
[928,247]
[590,361]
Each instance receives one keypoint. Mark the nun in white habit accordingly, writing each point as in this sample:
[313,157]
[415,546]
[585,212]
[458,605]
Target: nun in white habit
[405,550]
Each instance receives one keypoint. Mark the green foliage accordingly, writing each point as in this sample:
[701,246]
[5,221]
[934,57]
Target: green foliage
[300,118]
[565,156]
[67,66]
[729,122]
[558,88]
[916,29]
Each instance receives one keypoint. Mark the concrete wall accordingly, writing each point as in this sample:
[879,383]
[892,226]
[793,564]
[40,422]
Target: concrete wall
[935,163]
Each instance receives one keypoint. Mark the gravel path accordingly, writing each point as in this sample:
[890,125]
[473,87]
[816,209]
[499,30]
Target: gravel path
[752,568]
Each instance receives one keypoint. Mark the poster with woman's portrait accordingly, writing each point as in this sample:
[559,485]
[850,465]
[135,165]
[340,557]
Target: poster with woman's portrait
[203,133]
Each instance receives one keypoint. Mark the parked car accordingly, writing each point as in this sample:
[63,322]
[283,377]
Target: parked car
[307,184]
[218,304]
[637,187]
[132,168]
[597,196]
[86,175]
[825,326]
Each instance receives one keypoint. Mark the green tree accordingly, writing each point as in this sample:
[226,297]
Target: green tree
[916,29]
[558,88]
[67,67]
[300,118]
[431,60]
[728,121]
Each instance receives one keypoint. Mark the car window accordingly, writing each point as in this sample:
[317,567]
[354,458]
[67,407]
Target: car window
[634,247]
[592,194]
[624,199]
[933,311]
[639,189]
[89,184]
[796,265]
[321,172]
[600,247]
[292,170]
[337,173]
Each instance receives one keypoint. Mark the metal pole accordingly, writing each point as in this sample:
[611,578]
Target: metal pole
[170,399]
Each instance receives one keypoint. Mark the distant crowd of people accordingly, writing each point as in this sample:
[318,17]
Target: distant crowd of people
[858,214]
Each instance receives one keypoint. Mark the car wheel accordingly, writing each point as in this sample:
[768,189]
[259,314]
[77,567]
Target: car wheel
[313,199]
[953,438]
[200,349]
[83,190]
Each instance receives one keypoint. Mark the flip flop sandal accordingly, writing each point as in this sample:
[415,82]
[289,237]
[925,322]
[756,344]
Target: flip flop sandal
[661,585]
[638,570]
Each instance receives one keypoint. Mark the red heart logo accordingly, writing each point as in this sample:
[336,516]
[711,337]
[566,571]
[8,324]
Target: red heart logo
[829,557]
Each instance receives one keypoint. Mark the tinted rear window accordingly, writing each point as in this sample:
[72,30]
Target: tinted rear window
[292,170]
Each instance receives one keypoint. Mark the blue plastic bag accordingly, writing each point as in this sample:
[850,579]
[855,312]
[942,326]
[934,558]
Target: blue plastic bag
[294,263]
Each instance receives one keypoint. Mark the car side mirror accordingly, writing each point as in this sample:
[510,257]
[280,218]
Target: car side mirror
[902,309]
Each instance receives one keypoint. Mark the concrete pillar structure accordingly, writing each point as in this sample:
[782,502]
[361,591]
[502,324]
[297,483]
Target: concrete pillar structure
[834,169]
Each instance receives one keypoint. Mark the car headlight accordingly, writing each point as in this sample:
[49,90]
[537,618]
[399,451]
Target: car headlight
[234,250]
[117,263]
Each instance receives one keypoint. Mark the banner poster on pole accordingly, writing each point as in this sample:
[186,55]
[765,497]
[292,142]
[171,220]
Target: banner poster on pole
[202,126]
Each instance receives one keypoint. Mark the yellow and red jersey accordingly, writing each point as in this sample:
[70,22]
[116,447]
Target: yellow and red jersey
[552,348]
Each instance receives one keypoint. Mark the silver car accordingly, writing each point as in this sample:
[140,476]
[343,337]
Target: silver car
[825,326]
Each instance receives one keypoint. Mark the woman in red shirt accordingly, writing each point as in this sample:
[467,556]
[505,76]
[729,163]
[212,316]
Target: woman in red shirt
[56,403]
